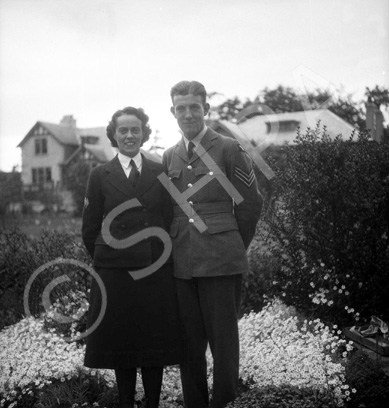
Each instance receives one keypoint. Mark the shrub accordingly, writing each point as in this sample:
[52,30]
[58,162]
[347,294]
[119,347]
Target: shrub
[329,227]
[370,381]
[22,255]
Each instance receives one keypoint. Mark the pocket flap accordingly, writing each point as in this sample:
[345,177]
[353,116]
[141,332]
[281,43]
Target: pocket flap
[173,229]
[174,173]
[221,223]
[201,170]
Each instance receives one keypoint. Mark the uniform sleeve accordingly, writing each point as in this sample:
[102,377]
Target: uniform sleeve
[242,176]
[93,213]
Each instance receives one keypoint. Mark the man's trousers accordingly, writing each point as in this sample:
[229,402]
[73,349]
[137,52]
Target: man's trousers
[209,310]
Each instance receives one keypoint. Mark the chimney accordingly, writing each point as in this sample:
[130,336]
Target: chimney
[374,120]
[68,120]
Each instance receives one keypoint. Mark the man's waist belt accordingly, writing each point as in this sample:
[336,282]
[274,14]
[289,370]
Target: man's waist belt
[205,208]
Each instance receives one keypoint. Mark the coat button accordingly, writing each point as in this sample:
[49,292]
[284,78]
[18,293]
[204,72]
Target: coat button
[190,203]
[211,173]
[189,167]
[190,185]
[191,220]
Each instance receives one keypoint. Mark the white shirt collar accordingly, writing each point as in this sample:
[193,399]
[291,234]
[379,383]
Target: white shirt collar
[125,160]
[197,139]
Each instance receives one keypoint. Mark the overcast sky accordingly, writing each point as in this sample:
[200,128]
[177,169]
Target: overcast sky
[89,58]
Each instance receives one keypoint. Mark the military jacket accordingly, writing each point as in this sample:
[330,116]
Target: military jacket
[108,194]
[217,205]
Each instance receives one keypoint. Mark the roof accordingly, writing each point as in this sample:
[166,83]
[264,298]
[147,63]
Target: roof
[101,154]
[65,135]
[256,129]
[71,136]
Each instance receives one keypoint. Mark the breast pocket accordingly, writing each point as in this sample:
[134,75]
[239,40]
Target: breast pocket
[174,174]
[212,186]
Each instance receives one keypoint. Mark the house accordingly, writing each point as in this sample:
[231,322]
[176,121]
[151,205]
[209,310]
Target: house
[256,132]
[47,151]
[263,131]
[48,147]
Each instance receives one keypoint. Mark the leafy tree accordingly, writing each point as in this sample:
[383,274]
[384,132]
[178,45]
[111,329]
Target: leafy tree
[380,96]
[231,107]
[76,179]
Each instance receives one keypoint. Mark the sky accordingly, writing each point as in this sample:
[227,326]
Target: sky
[89,58]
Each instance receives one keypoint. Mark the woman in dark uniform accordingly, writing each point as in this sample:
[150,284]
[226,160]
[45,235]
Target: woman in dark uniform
[126,213]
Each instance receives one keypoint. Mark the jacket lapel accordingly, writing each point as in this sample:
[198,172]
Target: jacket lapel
[118,179]
[206,143]
[180,150]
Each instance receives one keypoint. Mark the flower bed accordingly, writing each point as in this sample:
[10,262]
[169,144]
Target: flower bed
[276,349]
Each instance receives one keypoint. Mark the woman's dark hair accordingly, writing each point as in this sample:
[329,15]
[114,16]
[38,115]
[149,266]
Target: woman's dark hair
[129,110]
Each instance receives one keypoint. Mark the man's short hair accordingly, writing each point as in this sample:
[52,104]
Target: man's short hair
[189,87]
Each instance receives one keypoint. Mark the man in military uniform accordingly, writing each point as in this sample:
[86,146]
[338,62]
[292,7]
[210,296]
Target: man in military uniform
[216,208]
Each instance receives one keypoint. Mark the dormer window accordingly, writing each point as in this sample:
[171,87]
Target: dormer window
[89,139]
[282,126]
[40,145]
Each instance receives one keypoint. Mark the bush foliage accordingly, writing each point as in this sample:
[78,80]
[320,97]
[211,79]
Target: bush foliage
[327,228]
[22,255]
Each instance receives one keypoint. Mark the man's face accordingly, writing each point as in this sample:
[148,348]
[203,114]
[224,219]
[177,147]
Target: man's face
[189,111]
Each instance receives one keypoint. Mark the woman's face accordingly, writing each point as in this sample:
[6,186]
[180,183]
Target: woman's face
[128,134]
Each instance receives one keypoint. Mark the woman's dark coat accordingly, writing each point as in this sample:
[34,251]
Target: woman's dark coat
[140,326]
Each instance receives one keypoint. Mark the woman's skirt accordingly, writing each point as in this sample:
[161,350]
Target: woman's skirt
[140,326]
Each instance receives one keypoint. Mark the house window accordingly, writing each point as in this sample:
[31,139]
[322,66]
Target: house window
[282,126]
[41,145]
[41,175]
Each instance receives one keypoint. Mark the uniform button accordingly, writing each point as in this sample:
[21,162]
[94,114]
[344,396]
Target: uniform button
[190,185]
[189,167]
[190,203]
[191,220]
[211,173]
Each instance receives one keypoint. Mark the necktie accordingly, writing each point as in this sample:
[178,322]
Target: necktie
[134,174]
[191,146]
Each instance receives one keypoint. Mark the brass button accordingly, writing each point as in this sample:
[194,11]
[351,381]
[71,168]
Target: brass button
[191,220]
[211,173]
[189,167]
[190,185]
[190,203]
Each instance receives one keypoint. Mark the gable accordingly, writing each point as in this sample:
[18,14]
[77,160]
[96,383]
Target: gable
[65,135]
